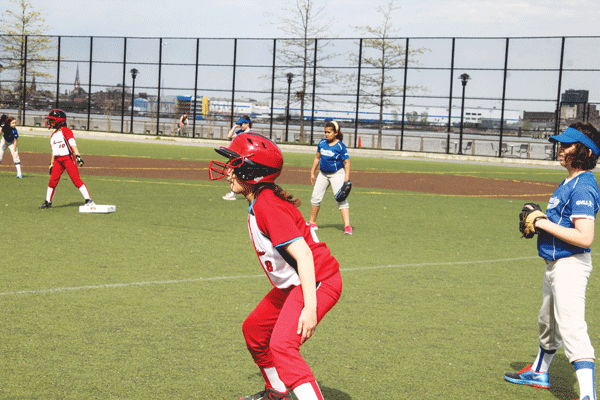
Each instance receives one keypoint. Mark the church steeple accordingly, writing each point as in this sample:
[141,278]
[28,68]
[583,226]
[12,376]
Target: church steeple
[77,84]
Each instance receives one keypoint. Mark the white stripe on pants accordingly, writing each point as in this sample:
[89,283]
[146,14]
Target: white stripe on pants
[323,181]
[562,315]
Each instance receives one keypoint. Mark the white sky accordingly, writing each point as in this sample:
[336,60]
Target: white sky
[246,19]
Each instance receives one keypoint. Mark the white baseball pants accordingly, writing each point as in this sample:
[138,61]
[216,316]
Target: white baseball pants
[336,180]
[562,316]
[9,145]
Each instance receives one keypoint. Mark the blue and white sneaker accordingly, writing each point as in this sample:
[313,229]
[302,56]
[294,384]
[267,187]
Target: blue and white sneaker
[19,176]
[528,377]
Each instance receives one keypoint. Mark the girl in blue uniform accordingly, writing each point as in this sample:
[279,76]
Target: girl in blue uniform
[564,240]
[334,169]
[9,140]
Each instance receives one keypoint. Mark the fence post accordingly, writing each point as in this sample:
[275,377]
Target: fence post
[233,83]
[312,119]
[450,96]
[123,87]
[24,91]
[195,89]
[159,77]
[503,97]
[272,88]
[58,76]
[360,45]
[90,84]
[404,95]
[557,116]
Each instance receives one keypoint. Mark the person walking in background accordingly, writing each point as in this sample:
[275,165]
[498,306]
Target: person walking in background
[333,162]
[183,122]
[305,276]
[65,156]
[565,235]
[9,140]
[244,124]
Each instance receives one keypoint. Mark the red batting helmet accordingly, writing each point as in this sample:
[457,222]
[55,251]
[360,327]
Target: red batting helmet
[56,119]
[253,158]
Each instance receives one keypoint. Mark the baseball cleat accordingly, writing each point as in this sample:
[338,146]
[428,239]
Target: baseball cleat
[312,226]
[528,377]
[19,176]
[46,204]
[348,230]
[269,394]
[89,202]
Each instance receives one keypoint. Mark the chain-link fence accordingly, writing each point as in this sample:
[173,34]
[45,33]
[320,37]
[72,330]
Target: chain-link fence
[479,96]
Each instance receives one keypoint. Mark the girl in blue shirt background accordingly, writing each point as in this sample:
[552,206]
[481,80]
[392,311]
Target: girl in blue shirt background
[334,169]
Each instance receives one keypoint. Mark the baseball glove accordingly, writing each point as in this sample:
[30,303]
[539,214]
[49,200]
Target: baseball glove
[50,169]
[530,213]
[79,160]
[343,193]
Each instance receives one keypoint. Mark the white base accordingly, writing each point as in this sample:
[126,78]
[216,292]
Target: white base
[98,208]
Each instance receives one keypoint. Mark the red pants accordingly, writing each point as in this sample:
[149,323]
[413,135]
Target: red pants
[61,164]
[271,329]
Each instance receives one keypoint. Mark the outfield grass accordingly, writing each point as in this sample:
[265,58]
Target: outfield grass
[440,293]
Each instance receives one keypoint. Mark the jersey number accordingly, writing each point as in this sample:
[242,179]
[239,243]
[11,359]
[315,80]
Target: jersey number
[269,266]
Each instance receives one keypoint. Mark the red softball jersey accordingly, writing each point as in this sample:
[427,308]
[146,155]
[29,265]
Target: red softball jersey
[61,142]
[273,223]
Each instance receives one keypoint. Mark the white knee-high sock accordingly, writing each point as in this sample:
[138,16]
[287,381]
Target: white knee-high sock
[543,360]
[18,165]
[50,194]
[272,379]
[308,391]
[84,191]
[585,376]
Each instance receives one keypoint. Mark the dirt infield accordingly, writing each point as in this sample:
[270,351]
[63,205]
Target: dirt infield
[411,182]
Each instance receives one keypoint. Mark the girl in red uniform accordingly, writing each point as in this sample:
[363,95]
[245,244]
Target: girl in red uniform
[65,156]
[305,276]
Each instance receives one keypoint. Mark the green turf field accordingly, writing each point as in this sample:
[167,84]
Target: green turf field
[440,293]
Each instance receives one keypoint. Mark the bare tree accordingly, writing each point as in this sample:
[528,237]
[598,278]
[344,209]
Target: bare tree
[22,28]
[378,87]
[303,23]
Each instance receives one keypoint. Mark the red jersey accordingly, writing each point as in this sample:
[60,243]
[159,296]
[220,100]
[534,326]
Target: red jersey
[61,142]
[274,223]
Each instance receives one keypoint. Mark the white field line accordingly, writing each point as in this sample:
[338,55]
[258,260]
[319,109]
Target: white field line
[222,278]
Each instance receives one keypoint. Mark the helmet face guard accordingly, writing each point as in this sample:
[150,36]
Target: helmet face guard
[56,119]
[252,158]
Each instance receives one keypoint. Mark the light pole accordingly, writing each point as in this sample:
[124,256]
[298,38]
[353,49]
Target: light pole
[464,78]
[1,69]
[134,73]
[287,108]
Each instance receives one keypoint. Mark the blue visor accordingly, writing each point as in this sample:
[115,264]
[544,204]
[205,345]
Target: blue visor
[242,120]
[572,135]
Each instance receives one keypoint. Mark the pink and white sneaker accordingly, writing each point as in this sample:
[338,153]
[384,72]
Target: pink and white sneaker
[348,230]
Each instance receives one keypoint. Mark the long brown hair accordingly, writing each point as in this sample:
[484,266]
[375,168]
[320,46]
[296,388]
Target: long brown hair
[278,191]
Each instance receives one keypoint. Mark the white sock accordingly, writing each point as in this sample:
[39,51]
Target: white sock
[543,360]
[49,194]
[18,168]
[585,377]
[84,191]
[273,379]
[308,391]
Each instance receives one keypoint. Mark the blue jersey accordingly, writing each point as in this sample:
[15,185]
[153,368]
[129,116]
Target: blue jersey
[10,134]
[575,198]
[332,157]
